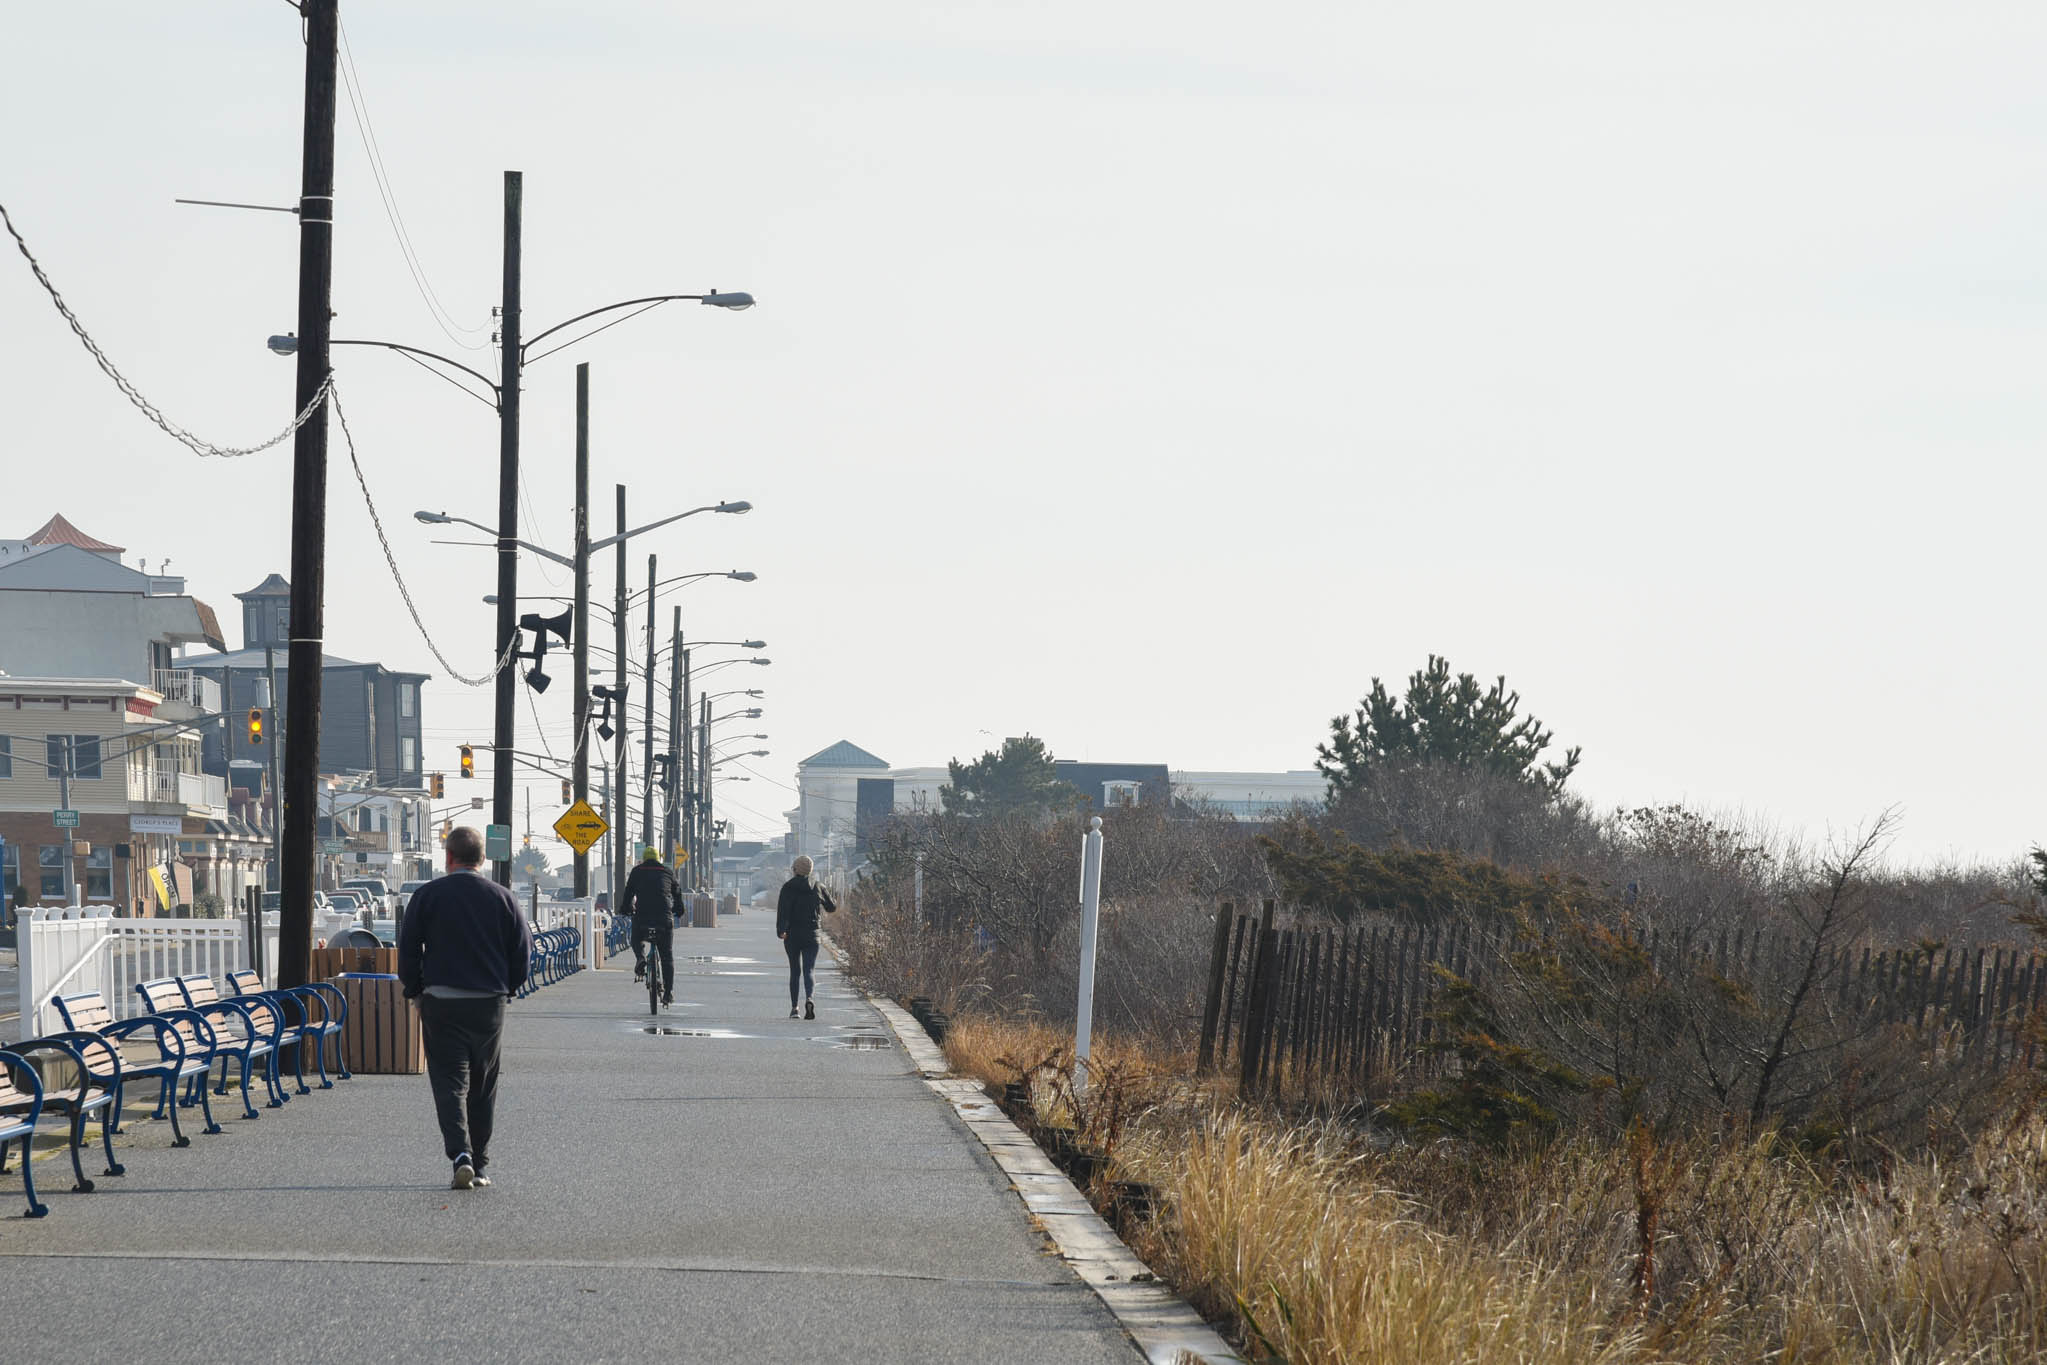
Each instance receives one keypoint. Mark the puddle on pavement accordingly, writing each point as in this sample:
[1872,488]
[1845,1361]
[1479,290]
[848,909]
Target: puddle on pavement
[701,957]
[745,973]
[859,1042]
[672,1031]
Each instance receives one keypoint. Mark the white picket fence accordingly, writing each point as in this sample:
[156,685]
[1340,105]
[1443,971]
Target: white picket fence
[580,914]
[69,950]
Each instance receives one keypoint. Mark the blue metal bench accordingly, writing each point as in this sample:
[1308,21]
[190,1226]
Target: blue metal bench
[321,1010]
[77,1102]
[21,1105]
[184,1050]
[238,1035]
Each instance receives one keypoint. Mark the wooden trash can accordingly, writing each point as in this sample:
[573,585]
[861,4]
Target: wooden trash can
[703,912]
[382,1035]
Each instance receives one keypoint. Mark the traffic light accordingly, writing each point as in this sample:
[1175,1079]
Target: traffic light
[437,786]
[468,761]
[568,791]
[255,725]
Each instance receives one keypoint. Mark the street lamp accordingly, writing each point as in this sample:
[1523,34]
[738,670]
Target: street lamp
[444,519]
[504,398]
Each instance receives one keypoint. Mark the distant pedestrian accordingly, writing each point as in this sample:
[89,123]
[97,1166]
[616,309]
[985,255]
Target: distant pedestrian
[654,899]
[464,950]
[796,925]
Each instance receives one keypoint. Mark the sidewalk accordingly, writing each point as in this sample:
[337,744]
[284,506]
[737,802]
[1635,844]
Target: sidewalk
[777,1190]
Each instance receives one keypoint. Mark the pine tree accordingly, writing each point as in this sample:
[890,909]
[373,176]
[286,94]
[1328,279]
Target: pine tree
[1018,777]
[1444,720]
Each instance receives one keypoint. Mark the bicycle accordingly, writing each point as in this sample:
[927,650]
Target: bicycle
[655,985]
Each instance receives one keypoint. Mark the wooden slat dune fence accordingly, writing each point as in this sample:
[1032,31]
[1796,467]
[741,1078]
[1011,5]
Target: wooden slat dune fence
[1358,1002]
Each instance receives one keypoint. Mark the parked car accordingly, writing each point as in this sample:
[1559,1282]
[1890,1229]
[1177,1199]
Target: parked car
[347,902]
[382,898]
[405,890]
[562,893]
[274,900]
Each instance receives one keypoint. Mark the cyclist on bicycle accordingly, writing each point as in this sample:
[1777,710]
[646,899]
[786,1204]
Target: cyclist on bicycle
[654,900]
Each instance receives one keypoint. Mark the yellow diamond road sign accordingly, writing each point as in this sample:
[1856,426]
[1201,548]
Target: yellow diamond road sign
[580,827]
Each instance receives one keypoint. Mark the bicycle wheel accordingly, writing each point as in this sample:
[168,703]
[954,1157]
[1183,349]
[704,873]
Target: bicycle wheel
[653,980]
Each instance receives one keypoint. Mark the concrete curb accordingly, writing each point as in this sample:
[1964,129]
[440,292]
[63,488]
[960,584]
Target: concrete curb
[1164,1327]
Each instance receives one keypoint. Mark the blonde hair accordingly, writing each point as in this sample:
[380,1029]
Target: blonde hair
[801,867]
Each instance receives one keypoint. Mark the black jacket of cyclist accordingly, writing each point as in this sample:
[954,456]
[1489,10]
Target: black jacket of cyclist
[654,899]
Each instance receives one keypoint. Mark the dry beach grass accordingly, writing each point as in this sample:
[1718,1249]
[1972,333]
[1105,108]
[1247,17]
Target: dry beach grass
[1319,1242]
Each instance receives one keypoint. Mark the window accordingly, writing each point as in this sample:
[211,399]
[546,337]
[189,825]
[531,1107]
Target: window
[408,754]
[10,869]
[50,863]
[408,700]
[7,759]
[99,873]
[80,753]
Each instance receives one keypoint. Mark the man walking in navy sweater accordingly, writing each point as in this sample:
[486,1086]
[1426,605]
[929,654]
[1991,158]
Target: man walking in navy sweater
[463,950]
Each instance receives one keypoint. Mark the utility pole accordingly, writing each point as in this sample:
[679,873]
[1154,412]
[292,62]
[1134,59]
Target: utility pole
[309,496]
[276,738]
[647,712]
[582,622]
[620,862]
[685,752]
[508,519]
[675,705]
[704,805]
[610,882]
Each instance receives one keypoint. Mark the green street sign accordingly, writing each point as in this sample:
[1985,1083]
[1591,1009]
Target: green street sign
[64,819]
[497,843]
[332,846]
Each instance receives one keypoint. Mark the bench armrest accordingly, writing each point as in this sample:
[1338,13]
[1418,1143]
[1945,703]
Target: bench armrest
[67,1044]
[169,1041]
[333,1003]
[230,1011]
[11,1061]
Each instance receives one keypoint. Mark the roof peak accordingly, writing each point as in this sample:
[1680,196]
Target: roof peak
[58,531]
[844,754]
[273,586]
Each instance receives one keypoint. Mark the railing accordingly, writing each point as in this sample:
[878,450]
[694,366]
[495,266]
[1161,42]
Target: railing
[203,790]
[69,950]
[199,791]
[186,687]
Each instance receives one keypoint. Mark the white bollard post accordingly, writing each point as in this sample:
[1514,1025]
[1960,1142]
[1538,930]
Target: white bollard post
[1090,921]
[26,967]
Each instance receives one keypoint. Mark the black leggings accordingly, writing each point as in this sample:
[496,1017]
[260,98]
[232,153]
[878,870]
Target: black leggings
[802,957]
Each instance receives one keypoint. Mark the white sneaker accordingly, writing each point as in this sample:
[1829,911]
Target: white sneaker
[465,1174]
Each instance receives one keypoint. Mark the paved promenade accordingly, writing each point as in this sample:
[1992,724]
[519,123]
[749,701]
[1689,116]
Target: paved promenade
[775,1191]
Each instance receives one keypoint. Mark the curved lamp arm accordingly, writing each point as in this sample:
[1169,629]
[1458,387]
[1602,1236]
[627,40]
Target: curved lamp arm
[736,302]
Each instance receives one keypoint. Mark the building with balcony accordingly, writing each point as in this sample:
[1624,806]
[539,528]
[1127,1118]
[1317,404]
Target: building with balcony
[69,608]
[103,802]
[367,830]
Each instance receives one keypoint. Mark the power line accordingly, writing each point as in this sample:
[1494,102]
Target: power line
[365,128]
[134,395]
[377,522]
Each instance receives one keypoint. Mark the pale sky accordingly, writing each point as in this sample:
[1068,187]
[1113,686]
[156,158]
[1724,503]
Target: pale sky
[1146,376]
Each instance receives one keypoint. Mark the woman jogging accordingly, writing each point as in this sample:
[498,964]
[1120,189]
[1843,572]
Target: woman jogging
[796,925]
